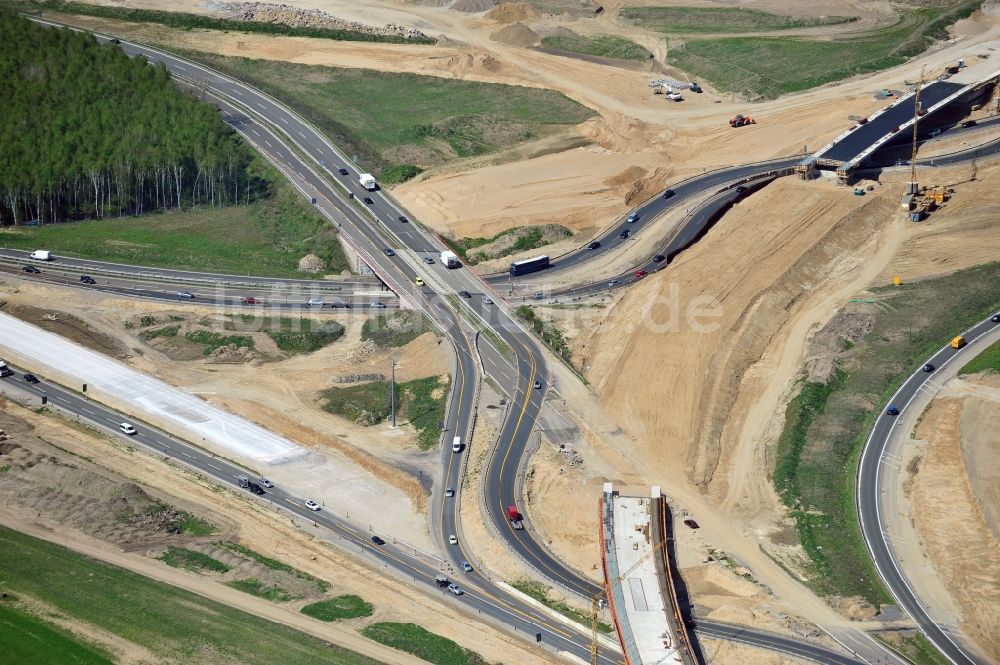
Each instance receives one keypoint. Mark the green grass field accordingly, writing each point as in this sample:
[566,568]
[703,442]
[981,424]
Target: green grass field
[267,237]
[422,643]
[391,120]
[540,592]
[341,607]
[396,329]
[175,625]
[293,336]
[987,361]
[728,20]
[274,564]
[24,638]
[352,402]
[827,423]
[770,67]
[255,587]
[605,46]
[213,340]
[180,557]
[916,649]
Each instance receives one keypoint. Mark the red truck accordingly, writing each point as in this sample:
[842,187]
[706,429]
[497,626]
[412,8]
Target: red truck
[515,518]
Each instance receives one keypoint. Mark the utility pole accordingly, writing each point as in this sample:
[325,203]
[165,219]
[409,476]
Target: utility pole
[392,393]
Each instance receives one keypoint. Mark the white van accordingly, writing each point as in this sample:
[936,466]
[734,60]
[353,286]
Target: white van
[41,255]
[456,444]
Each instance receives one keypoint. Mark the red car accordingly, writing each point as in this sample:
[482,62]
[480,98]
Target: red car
[639,274]
[249,301]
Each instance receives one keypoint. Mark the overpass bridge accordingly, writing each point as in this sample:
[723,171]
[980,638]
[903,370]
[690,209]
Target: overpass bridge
[940,101]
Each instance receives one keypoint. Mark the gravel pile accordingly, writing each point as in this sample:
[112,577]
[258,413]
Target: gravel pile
[266,12]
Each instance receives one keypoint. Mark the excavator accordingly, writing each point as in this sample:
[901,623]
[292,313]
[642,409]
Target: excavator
[741,120]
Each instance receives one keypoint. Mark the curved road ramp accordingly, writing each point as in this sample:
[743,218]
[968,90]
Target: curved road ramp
[143,396]
[641,595]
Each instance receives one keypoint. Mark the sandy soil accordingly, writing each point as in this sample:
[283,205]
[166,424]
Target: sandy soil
[960,428]
[256,526]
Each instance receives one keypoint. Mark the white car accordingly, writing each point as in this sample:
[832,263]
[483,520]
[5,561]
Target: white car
[128,429]
[487,301]
[266,483]
[466,566]
[315,302]
[453,539]
[455,589]
[312,505]
[450,492]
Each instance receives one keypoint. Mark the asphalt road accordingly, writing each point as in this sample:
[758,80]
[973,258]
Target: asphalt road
[871,481]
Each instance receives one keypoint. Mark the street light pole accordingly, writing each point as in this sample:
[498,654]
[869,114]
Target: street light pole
[392,393]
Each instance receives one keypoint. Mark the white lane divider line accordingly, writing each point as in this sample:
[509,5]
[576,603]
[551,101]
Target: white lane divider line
[214,467]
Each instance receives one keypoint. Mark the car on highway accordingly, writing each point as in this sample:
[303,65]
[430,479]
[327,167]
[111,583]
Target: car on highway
[388,252]
[658,258]
[369,200]
[116,41]
[487,300]
[928,367]
[185,295]
[667,194]
[538,296]
[995,318]
[691,523]
[266,483]
[341,305]
[378,305]
[377,540]
[892,410]
[315,302]
[254,488]
[538,385]
[613,283]
[465,294]
[31,378]
[31,269]
[343,171]
[450,492]
[127,428]
[452,539]
[419,281]
[634,217]
[969,123]
[249,301]
[741,189]
[594,245]
[429,260]
[624,234]
[87,279]
[455,589]
[312,505]
[466,566]
[403,219]
[639,274]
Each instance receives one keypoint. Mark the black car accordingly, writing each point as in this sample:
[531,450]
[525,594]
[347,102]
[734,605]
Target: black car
[969,123]
[87,279]
[691,523]
[255,488]
[343,171]
[594,245]
[116,41]
[31,378]
[403,219]
[377,540]
[892,410]
[995,318]
[465,294]
[658,258]
[369,200]
[31,269]
[624,234]
[339,305]
[741,189]
[928,367]
[667,194]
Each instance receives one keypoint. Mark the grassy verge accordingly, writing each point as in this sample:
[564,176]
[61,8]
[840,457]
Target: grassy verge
[400,173]
[24,638]
[341,607]
[827,423]
[441,120]
[274,564]
[364,403]
[915,648]
[173,624]
[720,19]
[212,340]
[165,331]
[196,526]
[257,588]
[396,329]
[540,592]
[266,237]
[551,335]
[988,360]
[180,557]
[185,21]
[605,46]
[520,239]
[293,336]
[422,643]
[760,66]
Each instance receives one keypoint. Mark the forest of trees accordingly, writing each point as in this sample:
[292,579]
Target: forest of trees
[87,132]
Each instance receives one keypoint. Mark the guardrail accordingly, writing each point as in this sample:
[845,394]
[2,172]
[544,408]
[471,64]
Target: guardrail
[666,564]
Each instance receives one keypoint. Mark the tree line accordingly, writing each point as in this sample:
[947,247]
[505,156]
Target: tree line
[88,132]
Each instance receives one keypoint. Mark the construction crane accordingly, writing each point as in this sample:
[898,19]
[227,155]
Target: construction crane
[916,120]
[595,600]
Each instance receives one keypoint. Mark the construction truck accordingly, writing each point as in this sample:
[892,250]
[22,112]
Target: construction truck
[367,181]
[515,518]
[740,120]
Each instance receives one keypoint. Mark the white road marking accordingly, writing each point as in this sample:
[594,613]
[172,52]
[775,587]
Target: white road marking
[282,119]
[268,143]
[187,455]
[261,106]
[214,467]
[254,131]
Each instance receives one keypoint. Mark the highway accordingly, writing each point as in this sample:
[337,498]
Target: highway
[296,149]
[873,469]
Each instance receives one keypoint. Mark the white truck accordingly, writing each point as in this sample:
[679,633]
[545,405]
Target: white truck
[450,259]
[456,444]
[41,255]
[4,369]
[367,181]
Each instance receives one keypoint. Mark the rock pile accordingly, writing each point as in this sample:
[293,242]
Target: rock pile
[267,12]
